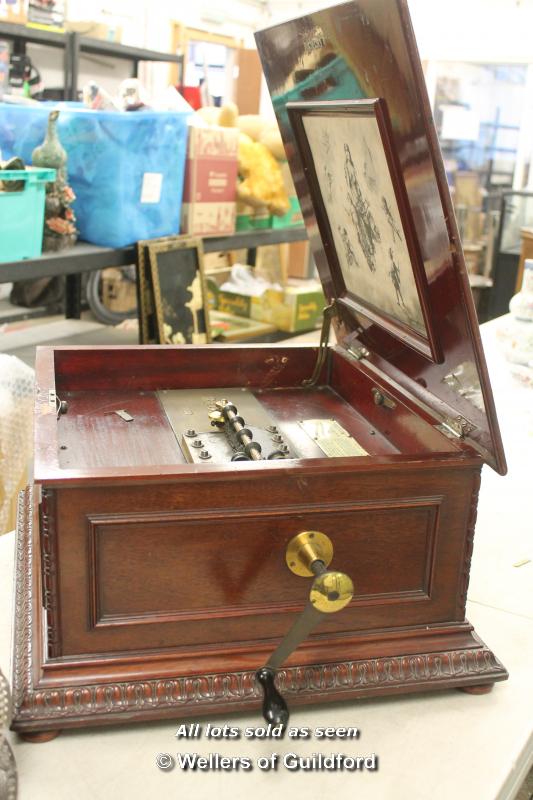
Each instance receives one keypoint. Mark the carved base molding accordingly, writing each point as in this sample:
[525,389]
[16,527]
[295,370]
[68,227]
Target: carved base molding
[38,707]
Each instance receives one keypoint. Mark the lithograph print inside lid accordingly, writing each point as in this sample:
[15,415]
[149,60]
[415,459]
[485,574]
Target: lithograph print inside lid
[361,208]
[365,50]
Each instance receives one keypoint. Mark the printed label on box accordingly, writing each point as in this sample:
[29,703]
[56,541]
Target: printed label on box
[151,188]
[208,219]
[208,142]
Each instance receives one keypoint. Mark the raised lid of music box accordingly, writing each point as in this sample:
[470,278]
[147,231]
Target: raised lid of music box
[350,98]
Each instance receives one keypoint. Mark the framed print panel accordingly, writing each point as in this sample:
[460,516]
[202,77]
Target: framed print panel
[362,211]
[177,273]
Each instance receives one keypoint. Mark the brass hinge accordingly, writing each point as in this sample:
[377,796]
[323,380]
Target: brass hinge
[327,315]
[358,352]
[456,426]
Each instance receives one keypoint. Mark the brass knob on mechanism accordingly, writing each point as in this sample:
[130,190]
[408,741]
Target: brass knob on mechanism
[331,591]
[308,554]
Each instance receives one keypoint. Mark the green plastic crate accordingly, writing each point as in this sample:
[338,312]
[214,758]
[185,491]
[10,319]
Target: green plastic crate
[22,213]
[292,219]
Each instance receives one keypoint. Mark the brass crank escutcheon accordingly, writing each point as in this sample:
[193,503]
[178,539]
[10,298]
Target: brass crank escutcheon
[308,554]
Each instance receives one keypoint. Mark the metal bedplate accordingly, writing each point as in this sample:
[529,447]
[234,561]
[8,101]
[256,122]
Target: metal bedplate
[188,409]
[220,451]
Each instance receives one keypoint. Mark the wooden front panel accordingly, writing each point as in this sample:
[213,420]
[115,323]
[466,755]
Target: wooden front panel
[140,569]
[191,567]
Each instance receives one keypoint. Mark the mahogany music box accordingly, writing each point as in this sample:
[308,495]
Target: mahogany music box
[183,494]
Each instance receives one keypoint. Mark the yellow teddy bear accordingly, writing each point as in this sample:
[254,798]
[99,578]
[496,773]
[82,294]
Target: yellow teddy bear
[260,146]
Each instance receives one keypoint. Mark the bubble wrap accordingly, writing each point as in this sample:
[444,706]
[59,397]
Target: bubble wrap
[8,769]
[16,433]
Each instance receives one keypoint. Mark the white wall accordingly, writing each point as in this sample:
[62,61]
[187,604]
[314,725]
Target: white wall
[474,30]
[448,30]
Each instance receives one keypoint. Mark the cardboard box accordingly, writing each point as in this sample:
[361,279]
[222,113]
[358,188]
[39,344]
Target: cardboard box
[14,11]
[210,186]
[297,308]
[234,303]
[118,293]
[47,14]
[298,260]
[96,30]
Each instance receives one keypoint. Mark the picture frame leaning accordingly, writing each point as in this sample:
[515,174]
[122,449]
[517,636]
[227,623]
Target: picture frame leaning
[148,331]
[179,290]
[362,211]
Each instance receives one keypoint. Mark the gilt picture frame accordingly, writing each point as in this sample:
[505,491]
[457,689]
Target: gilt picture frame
[179,290]
[148,330]
[362,211]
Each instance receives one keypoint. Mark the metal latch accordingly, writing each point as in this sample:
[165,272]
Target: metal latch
[61,406]
[382,399]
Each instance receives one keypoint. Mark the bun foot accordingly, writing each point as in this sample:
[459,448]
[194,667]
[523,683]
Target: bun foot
[37,737]
[483,689]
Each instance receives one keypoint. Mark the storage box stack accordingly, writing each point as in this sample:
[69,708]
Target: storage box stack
[126,170]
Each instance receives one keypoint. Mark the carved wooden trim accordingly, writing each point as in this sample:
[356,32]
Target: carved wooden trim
[469,544]
[22,628]
[190,694]
[49,571]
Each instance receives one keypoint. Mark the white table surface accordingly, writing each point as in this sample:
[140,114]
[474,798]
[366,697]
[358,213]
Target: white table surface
[439,745]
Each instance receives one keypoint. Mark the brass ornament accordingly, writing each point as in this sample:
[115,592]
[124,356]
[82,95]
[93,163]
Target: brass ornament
[305,548]
[331,592]
[217,418]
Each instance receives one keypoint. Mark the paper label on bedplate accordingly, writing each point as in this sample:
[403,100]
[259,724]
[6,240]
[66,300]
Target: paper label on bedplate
[331,437]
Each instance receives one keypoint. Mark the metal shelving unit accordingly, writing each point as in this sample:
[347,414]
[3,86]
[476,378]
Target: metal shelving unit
[74,46]
[21,34]
[87,258]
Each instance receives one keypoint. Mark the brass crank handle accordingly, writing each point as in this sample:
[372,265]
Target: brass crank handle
[308,554]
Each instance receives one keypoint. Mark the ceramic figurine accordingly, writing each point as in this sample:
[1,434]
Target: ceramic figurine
[60,221]
[520,344]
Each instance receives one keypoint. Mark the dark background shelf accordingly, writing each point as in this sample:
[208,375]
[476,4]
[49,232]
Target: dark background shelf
[88,257]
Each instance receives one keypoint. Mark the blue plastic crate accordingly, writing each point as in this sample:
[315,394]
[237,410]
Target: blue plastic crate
[22,214]
[126,169]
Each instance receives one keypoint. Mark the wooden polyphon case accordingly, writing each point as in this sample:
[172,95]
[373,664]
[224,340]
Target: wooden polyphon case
[153,572]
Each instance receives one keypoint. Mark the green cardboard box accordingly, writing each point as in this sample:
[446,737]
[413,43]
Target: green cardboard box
[234,303]
[297,308]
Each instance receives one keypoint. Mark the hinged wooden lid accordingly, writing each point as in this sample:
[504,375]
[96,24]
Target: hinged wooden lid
[350,98]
